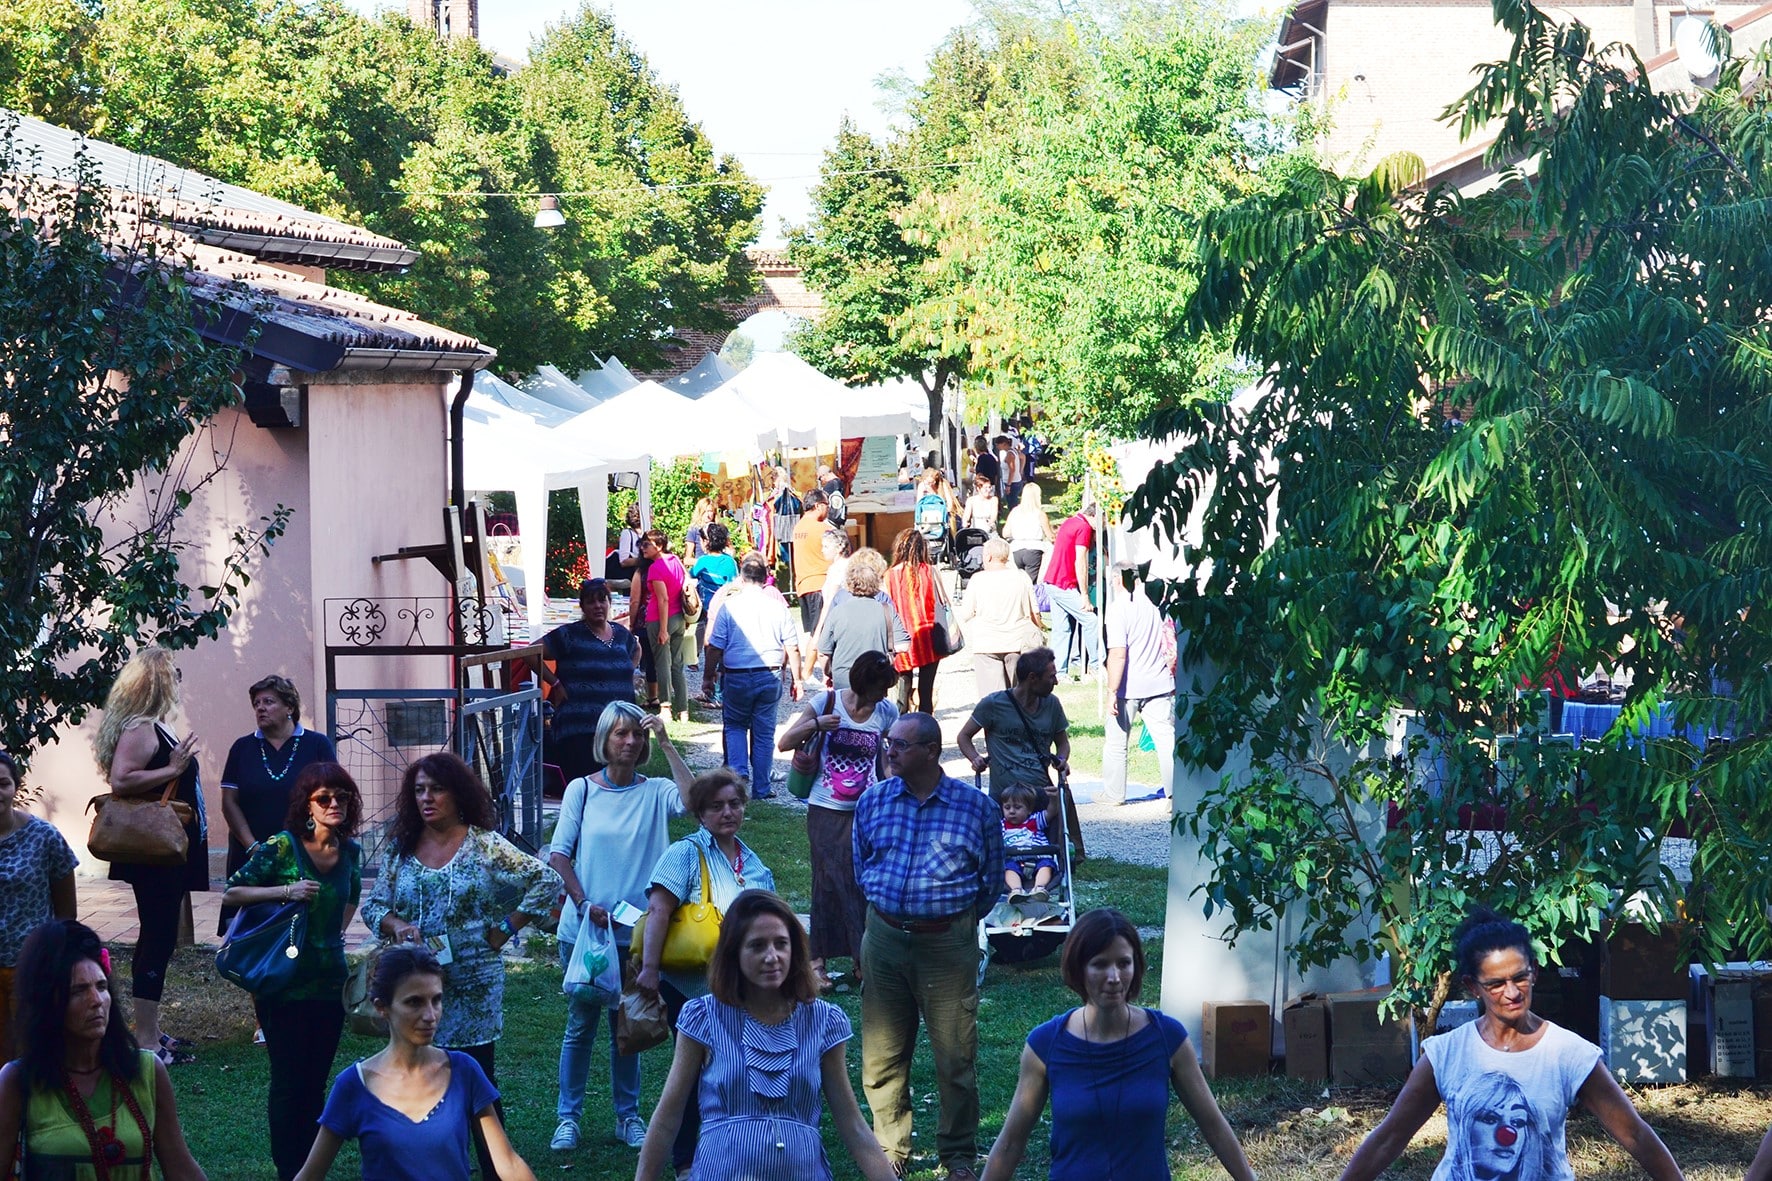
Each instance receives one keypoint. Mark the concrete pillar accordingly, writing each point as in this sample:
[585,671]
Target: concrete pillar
[1198,966]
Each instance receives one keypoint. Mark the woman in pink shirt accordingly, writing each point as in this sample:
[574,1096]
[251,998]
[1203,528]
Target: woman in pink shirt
[673,644]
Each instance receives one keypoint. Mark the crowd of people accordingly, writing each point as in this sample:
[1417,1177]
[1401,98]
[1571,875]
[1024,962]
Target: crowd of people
[906,862]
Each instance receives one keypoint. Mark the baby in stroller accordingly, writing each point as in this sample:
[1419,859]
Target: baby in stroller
[1024,828]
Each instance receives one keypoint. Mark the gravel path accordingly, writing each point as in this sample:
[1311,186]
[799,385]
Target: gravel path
[1136,832]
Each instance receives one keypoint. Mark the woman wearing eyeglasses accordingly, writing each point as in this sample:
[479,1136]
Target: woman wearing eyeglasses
[1508,1080]
[312,861]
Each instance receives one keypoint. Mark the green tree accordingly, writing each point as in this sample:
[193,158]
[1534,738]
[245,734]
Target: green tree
[386,126]
[1510,436]
[107,385]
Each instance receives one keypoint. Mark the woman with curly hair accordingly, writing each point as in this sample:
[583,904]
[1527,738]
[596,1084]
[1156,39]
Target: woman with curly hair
[450,881]
[914,586]
[92,1104]
[140,753]
[1508,1079]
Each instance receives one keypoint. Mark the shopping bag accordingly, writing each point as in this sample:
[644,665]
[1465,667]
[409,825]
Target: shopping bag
[640,1021]
[593,974]
[1145,741]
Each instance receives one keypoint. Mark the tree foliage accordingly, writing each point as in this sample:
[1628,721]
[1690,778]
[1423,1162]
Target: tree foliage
[386,126]
[106,403]
[1032,227]
[1507,437]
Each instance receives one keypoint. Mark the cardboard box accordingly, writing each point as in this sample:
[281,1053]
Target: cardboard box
[1365,1050]
[1642,966]
[1237,1039]
[1305,1025]
[1644,1041]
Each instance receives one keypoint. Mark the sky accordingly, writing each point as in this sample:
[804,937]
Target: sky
[768,80]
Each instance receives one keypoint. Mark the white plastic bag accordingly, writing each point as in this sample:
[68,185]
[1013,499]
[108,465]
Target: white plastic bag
[594,972]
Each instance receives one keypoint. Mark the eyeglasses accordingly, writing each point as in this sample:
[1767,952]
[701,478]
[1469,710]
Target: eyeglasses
[896,744]
[1521,980]
[326,798]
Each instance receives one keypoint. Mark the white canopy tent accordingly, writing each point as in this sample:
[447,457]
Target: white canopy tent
[555,388]
[897,407]
[799,402]
[511,398]
[711,372]
[612,379]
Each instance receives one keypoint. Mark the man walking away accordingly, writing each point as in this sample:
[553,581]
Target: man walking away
[810,566]
[1141,677]
[929,859]
[1067,585]
[753,639]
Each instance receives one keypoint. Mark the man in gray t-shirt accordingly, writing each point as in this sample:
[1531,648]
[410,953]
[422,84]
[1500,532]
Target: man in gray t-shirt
[1141,674]
[1018,749]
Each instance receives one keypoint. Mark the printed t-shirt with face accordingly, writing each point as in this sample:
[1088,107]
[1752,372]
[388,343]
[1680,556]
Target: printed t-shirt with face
[1505,1111]
[851,752]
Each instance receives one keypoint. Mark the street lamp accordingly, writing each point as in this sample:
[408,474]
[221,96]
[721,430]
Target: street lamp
[548,216]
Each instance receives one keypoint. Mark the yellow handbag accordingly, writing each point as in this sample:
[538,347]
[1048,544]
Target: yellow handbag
[693,931]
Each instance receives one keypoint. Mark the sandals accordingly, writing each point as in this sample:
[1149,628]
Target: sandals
[175,1051]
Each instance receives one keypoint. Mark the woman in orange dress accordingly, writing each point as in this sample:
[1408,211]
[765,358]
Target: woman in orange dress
[914,586]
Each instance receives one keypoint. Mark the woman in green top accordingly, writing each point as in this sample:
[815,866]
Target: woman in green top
[96,1106]
[314,860]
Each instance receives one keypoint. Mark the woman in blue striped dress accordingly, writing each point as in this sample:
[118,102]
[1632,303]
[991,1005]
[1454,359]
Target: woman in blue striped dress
[764,1055]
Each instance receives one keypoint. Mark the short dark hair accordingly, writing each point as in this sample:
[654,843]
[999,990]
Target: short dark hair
[704,787]
[754,567]
[813,498]
[659,538]
[1484,931]
[726,981]
[1089,937]
[42,989]
[394,964]
[1032,661]
[592,588]
[283,687]
[472,801]
[872,672]
[715,537]
[11,764]
[313,777]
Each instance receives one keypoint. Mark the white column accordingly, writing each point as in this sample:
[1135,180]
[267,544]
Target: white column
[532,526]
[1198,966]
[593,515]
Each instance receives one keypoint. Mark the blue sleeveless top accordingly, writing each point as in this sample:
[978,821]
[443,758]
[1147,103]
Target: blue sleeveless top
[1109,1101]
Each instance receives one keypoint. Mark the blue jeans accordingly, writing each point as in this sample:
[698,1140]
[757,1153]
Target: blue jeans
[749,701]
[1071,609]
[575,1059]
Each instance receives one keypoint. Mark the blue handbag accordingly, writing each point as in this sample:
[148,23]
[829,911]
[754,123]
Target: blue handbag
[263,946]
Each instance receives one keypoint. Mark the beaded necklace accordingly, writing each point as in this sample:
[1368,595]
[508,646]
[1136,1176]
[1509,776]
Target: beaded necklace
[264,754]
[106,1149]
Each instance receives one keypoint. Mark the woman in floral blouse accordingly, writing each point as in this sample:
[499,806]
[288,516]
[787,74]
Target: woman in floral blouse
[450,881]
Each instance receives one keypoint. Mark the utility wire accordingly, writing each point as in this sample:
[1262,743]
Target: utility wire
[671,186]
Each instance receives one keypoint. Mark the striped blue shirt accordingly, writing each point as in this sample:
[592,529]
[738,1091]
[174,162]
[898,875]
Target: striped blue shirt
[929,860]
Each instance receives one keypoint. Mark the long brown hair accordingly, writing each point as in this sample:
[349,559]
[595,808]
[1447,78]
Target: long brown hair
[910,548]
[725,979]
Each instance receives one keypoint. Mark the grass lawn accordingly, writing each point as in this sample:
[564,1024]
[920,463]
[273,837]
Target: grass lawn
[221,1097]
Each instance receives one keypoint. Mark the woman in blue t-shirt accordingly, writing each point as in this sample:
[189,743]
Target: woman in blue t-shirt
[410,1108]
[1108,1068]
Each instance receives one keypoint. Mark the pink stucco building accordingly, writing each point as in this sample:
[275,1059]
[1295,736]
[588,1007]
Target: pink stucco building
[346,421]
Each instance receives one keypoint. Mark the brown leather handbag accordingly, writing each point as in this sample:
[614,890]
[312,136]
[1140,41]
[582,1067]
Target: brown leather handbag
[140,830]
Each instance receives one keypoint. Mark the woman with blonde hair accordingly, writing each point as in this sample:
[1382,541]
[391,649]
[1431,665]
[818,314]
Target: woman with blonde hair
[140,753]
[1028,532]
[699,519]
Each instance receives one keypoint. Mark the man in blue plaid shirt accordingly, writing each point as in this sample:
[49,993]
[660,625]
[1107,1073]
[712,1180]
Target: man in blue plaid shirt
[929,859]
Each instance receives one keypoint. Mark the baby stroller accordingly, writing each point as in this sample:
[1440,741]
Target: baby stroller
[932,522]
[1020,929]
[969,552]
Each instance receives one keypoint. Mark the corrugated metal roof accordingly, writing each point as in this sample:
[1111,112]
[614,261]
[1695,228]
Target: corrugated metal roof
[202,206]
